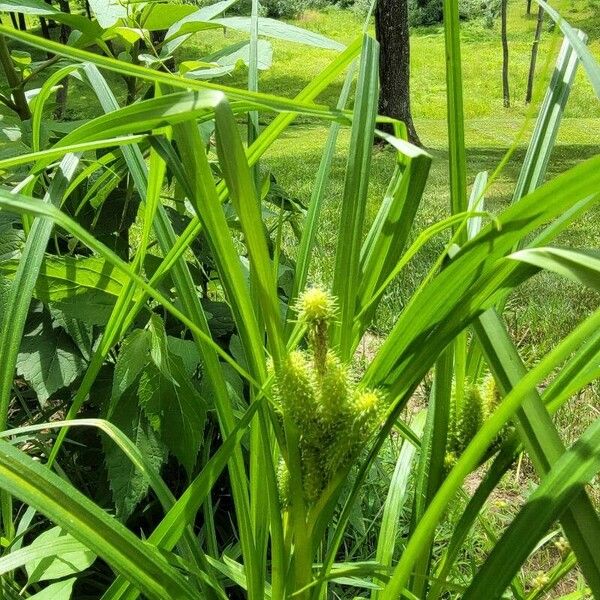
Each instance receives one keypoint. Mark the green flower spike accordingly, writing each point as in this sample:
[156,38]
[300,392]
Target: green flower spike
[334,391]
[316,307]
[471,416]
[315,391]
[295,391]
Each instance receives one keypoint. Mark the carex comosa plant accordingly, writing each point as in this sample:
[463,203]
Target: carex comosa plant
[295,425]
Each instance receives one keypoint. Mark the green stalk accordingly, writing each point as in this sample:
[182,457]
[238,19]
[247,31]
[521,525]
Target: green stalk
[473,453]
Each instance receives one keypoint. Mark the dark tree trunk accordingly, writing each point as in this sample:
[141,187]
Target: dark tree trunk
[534,51]
[528,7]
[391,26]
[505,84]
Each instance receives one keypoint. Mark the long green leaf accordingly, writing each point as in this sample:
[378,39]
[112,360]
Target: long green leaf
[587,58]
[64,505]
[455,117]
[346,274]
[536,159]
[555,493]
[475,450]
[580,266]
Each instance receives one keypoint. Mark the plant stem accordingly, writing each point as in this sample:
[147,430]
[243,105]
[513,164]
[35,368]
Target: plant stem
[14,82]
[302,556]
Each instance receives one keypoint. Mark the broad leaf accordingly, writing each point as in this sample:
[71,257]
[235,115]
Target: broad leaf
[28,7]
[47,359]
[57,566]
[11,237]
[83,288]
[57,591]
[280,30]
[134,355]
[175,410]
[128,484]
[108,12]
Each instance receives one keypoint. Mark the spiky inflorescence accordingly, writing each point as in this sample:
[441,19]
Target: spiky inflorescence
[283,484]
[479,402]
[316,391]
[363,417]
[315,304]
[295,390]
[540,580]
[471,416]
[334,387]
[491,399]
[316,309]
[314,477]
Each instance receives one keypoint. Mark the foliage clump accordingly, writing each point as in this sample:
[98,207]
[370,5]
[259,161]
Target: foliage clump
[477,404]
[316,392]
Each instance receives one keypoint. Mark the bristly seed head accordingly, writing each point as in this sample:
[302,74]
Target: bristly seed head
[315,391]
[315,305]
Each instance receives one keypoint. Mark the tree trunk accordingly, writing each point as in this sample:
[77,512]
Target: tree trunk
[528,7]
[391,26]
[505,84]
[534,51]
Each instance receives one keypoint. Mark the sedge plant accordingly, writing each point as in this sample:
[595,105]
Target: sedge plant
[195,333]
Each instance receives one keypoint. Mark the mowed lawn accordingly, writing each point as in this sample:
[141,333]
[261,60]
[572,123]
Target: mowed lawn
[542,311]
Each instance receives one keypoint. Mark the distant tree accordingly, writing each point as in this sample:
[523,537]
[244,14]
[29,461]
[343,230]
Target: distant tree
[392,31]
[505,84]
[534,51]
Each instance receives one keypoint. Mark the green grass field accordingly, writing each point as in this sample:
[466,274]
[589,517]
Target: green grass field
[542,311]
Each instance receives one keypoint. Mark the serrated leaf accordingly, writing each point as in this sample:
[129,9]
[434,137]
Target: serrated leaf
[159,352]
[177,412]
[134,356]
[187,351]
[84,288]
[48,360]
[128,484]
[81,333]
[11,238]
[64,277]
[55,567]
[91,307]
[61,590]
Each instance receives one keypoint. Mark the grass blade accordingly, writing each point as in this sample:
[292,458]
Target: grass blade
[555,492]
[345,280]
[541,440]
[103,535]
